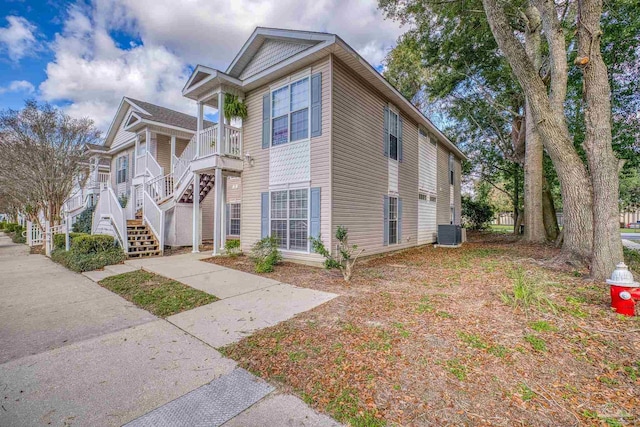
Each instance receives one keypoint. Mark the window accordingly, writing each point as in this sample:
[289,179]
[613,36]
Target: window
[393,220]
[290,219]
[451,169]
[394,123]
[233,222]
[122,166]
[290,112]
[422,196]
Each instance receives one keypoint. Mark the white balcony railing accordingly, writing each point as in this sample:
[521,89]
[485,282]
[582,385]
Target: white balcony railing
[231,144]
[147,163]
[207,141]
[232,141]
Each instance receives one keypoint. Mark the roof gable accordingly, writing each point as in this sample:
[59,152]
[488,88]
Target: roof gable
[269,46]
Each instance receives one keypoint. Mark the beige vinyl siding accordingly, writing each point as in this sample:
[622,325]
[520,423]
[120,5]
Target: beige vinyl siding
[255,179]
[457,167]
[122,136]
[234,195]
[271,53]
[360,169]
[207,212]
[163,152]
[181,144]
[443,214]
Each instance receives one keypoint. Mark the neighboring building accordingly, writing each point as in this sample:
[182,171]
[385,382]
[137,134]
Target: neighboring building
[327,142]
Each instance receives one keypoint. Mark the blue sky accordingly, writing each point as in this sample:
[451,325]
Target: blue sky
[86,55]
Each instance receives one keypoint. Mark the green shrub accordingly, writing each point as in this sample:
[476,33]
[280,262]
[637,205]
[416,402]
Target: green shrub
[92,243]
[347,254]
[265,254]
[476,214]
[59,240]
[232,247]
[87,262]
[17,237]
[84,221]
[11,227]
[2,224]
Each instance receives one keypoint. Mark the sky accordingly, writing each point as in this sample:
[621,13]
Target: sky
[84,56]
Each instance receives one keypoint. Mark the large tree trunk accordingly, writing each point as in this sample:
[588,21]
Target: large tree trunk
[603,165]
[534,230]
[574,180]
[549,215]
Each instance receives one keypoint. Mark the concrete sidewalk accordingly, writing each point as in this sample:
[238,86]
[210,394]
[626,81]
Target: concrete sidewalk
[247,302]
[73,353]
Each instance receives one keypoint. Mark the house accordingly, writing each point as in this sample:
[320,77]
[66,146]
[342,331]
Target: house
[327,141]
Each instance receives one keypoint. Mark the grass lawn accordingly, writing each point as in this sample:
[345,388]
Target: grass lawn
[156,294]
[488,334]
[630,230]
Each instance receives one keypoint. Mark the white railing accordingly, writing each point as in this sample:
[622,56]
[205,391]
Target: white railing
[147,163]
[35,236]
[181,164]
[154,217]
[232,141]
[139,197]
[74,202]
[141,164]
[109,207]
[160,188]
[207,140]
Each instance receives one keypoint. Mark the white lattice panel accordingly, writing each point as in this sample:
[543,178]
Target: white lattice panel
[290,163]
[270,53]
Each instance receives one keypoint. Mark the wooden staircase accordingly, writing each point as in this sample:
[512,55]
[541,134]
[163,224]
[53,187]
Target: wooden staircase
[206,184]
[142,242]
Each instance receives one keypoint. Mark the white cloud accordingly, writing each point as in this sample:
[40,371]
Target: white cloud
[93,72]
[18,39]
[18,86]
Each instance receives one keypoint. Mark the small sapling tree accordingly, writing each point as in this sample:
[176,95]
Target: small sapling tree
[347,254]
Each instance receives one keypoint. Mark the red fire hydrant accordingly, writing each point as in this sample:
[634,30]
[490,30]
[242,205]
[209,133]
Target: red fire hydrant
[625,293]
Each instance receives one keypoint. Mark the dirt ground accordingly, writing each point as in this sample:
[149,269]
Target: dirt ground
[486,334]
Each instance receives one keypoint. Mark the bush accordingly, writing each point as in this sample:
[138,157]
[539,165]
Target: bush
[2,225]
[16,235]
[59,240]
[265,254]
[346,259]
[87,262]
[232,247]
[84,221]
[476,214]
[92,243]
[11,227]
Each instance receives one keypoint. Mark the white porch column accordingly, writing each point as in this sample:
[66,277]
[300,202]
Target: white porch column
[217,212]
[147,139]
[220,135]
[223,210]
[196,213]
[173,150]
[199,127]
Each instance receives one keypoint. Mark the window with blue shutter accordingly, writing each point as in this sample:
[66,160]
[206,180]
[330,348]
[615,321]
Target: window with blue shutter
[399,220]
[400,124]
[316,104]
[314,227]
[385,136]
[264,215]
[266,120]
[290,112]
[385,220]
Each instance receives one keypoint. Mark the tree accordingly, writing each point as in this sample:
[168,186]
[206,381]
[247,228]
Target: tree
[590,197]
[43,151]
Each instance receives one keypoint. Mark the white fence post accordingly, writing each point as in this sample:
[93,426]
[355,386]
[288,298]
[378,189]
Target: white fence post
[47,238]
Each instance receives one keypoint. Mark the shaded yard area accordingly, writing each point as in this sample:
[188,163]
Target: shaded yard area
[481,335]
[157,294]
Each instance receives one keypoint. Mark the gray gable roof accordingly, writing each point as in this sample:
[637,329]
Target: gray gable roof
[168,116]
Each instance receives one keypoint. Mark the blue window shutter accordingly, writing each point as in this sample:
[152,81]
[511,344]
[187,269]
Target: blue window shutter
[400,123]
[314,230]
[316,104]
[385,136]
[385,228]
[264,215]
[227,211]
[266,120]
[399,220]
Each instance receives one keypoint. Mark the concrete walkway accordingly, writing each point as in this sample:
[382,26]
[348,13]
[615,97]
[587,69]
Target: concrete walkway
[631,245]
[247,302]
[73,353]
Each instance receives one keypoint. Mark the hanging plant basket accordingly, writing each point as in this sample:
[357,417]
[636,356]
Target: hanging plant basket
[234,108]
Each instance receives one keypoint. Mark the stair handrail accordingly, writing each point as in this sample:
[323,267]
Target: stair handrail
[160,188]
[153,167]
[153,216]
[108,206]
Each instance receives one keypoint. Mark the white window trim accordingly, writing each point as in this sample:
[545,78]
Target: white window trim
[289,81]
[393,109]
[119,161]
[291,188]
[397,220]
